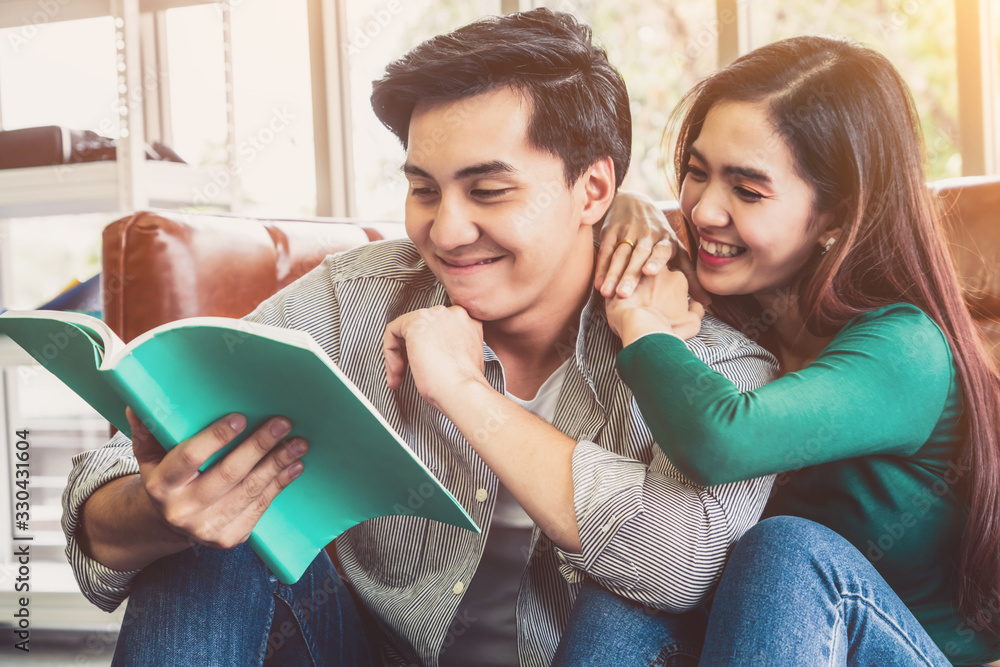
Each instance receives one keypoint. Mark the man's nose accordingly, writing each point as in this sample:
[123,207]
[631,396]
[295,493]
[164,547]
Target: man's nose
[453,225]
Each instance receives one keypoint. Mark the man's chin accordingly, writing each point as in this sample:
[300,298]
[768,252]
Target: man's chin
[478,307]
[476,310]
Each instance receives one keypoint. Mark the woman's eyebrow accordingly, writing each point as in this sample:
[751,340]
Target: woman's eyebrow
[748,173]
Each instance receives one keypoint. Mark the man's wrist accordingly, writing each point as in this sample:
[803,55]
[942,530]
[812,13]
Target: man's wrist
[121,529]
[456,395]
[469,405]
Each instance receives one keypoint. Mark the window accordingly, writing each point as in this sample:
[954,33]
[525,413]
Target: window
[917,36]
[197,85]
[273,118]
[661,49]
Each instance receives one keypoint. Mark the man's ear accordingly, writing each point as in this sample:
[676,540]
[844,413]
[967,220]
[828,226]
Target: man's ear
[598,190]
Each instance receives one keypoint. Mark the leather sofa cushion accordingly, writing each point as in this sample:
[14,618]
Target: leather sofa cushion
[160,267]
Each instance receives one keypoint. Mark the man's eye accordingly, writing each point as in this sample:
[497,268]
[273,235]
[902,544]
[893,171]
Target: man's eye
[696,173]
[490,194]
[747,195]
[421,192]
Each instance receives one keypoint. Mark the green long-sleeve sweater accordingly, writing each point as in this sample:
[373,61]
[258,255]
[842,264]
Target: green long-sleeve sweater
[872,432]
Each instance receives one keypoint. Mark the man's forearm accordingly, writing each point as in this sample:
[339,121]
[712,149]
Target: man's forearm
[533,459]
[120,528]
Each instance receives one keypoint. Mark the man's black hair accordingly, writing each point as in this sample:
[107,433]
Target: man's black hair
[580,104]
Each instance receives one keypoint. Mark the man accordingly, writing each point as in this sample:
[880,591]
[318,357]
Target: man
[517,132]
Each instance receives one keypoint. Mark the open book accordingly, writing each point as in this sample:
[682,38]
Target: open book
[182,376]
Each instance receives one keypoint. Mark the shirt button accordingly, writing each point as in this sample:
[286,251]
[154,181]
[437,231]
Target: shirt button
[458,588]
[481,495]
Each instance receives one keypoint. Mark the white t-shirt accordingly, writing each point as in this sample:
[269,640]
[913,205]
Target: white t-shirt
[484,630]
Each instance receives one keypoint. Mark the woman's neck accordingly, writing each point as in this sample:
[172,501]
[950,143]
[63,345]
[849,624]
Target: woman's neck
[793,344]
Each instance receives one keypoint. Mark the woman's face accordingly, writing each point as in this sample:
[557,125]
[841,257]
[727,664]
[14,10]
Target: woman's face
[752,212]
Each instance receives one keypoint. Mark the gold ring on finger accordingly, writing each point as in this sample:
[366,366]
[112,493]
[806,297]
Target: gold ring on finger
[631,243]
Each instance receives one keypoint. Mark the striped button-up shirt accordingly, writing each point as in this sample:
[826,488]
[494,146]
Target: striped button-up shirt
[647,533]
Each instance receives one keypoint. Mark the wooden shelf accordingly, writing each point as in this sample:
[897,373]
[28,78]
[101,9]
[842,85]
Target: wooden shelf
[131,182]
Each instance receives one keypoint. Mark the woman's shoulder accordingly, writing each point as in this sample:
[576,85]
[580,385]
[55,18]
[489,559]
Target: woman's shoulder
[895,316]
[902,329]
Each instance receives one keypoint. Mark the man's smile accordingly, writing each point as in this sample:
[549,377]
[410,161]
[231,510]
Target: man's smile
[466,265]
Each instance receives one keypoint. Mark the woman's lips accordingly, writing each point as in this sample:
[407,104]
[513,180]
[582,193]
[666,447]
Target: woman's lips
[713,261]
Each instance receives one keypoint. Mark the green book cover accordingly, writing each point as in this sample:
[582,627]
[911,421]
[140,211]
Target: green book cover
[182,376]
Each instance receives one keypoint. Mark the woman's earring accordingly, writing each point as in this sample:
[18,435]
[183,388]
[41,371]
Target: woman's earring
[826,246]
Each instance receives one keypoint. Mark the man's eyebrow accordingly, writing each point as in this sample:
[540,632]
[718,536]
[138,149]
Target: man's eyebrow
[482,169]
[748,173]
[485,169]
[412,170]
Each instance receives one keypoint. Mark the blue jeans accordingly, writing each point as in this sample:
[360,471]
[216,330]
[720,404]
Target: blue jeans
[793,593]
[207,607]
[796,593]
[606,630]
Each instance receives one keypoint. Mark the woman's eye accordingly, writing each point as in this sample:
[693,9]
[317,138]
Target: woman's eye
[490,194]
[421,192]
[747,195]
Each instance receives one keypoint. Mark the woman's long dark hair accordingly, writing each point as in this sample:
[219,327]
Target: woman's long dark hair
[851,124]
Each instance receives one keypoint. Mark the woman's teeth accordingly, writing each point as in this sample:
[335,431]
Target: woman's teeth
[720,249]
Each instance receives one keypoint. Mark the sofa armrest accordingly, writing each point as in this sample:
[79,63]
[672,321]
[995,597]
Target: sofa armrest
[970,209]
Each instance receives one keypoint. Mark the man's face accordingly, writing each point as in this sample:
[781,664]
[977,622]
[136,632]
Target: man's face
[491,215]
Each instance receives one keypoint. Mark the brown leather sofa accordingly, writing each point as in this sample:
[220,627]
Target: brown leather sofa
[160,267]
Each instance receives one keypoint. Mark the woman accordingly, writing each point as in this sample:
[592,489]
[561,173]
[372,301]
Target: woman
[803,193]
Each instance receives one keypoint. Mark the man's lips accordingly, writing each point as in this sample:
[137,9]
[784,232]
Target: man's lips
[468,262]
